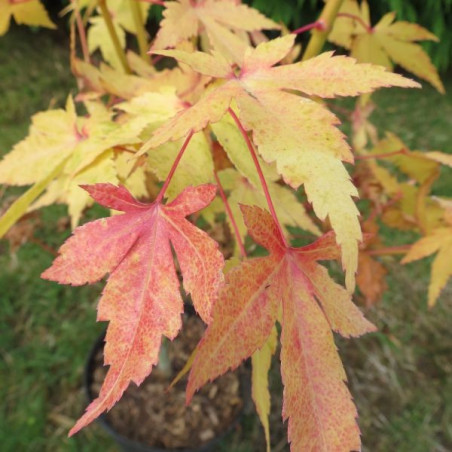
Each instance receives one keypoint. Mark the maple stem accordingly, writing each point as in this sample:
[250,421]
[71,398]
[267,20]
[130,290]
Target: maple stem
[156,59]
[173,168]
[88,13]
[381,156]
[318,25]
[390,250]
[358,19]
[231,215]
[81,31]
[154,2]
[318,37]
[113,35]
[139,27]
[260,173]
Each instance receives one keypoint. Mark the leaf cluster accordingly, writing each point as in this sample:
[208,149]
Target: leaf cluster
[219,107]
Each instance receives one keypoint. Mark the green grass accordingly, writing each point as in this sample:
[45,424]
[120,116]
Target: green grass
[24,88]
[401,377]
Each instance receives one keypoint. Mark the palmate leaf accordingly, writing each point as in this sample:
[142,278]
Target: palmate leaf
[384,43]
[316,401]
[142,298]
[121,14]
[439,241]
[184,19]
[149,111]
[297,133]
[28,12]
[83,143]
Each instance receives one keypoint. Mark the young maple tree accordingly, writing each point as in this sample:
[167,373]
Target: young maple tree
[239,112]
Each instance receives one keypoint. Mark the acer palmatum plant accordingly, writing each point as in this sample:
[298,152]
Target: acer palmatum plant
[240,116]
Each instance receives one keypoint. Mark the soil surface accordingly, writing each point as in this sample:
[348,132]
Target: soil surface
[154,416]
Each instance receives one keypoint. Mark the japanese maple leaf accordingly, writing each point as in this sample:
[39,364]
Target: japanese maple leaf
[141,299]
[122,18]
[28,12]
[437,241]
[296,132]
[73,149]
[316,400]
[184,19]
[195,166]
[384,43]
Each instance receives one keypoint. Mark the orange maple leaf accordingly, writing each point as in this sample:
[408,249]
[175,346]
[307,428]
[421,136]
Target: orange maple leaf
[296,132]
[142,298]
[316,401]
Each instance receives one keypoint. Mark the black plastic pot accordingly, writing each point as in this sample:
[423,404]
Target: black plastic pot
[128,445]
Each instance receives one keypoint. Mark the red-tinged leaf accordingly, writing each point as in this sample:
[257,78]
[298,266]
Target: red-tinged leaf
[141,300]
[321,414]
[296,132]
[316,400]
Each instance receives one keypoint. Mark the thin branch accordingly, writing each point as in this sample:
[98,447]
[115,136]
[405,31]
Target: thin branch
[113,36]
[173,168]
[154,2]
[390,250]
[260,173]
[402,151]
[318,37]
[231,215]
[139,28]
[81,31]
[317,25]
[358,19]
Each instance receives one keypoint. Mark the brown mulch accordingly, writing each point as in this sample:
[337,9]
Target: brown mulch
[151,415]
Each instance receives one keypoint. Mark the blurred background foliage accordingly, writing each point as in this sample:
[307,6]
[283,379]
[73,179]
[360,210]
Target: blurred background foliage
[435,15]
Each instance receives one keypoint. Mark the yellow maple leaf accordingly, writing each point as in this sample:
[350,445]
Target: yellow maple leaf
[74,144]
[404,214]
[65,189]
[122,18]
[28,12]
[417,165]
[385,43]
[221,20]
[438,241]
[150,110]
[261,361]
[295,132]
